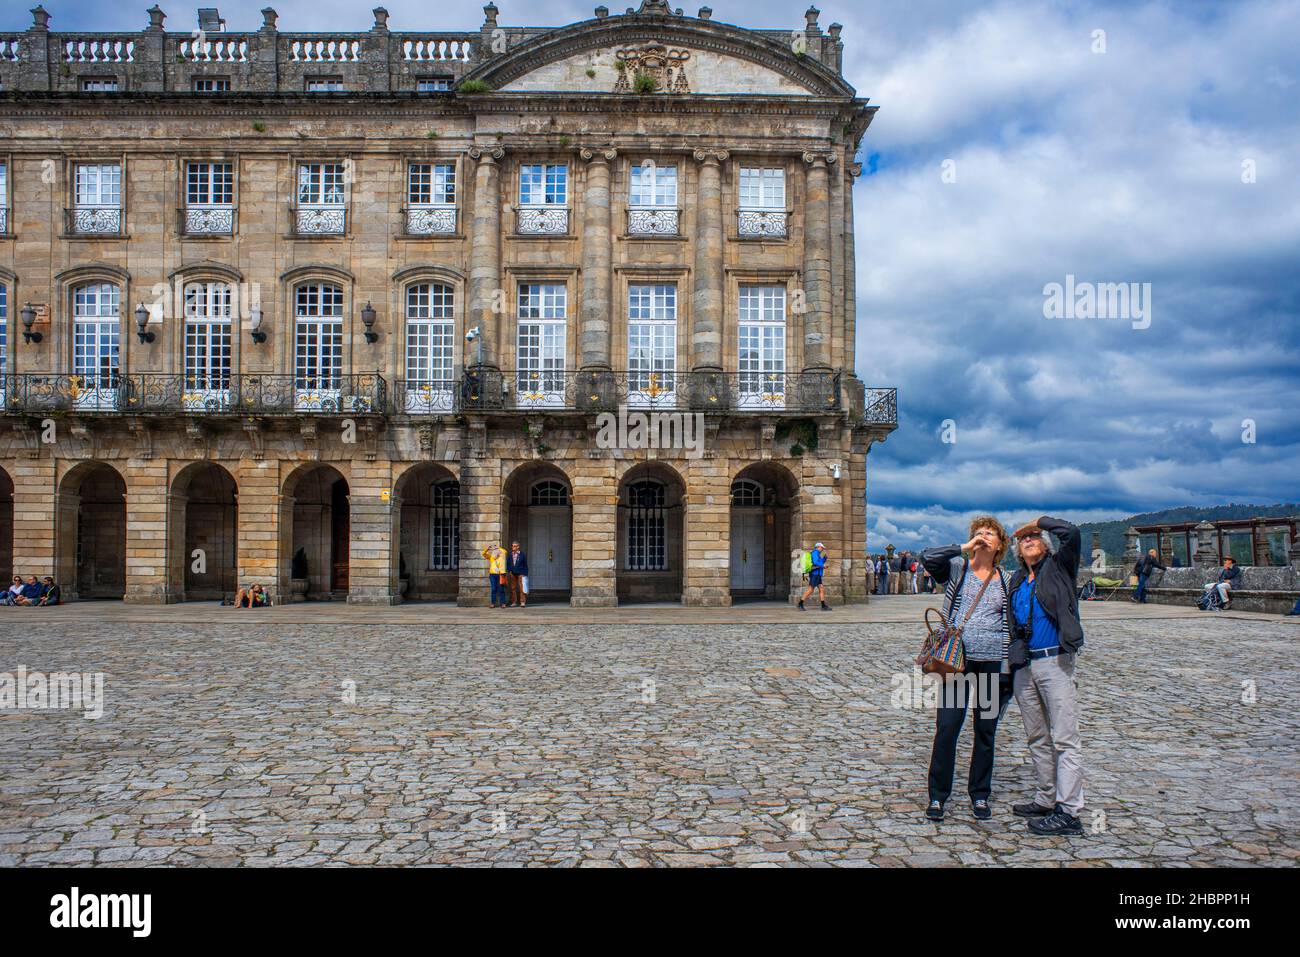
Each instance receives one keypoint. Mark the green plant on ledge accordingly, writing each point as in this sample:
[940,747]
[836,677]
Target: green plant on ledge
[473,86]
[431,135]
[565,140]
[259,126]
[591,74]
[802,431]
[644,83]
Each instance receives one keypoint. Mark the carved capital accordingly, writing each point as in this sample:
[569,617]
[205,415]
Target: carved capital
[711,156]
[604,155]
[825,157]
[486,154]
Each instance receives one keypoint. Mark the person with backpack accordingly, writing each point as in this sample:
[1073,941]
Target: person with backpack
[815,567]
[975,599]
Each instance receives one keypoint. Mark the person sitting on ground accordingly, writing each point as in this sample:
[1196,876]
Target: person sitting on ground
[254,596]
[11,593]
[1145,566]
[53,593]
[1229,575]
[31,592]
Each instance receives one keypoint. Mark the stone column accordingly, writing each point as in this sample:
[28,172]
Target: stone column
[370,524]
[850,272]
[146,531]
[595,521]
[35,502]
[1207,555]
[485,257]
[480,524]
[597,262]
[706,301]
[260,520]
[1131,547]
[817,264]
[706,532]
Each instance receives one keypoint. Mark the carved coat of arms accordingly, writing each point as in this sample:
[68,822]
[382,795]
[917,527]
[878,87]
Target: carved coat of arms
[666,67]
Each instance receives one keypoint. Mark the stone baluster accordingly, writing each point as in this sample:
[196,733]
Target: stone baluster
[817,263]
[485,258]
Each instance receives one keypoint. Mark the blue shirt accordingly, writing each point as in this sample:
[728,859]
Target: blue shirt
[818,559]
[1044,634]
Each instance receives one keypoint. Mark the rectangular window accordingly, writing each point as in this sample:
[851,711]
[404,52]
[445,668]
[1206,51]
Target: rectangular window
[430,341]
[761,341]
[544,184]
[209,184]
[96,334]
[653,185]
[318,345]
[762,188]
[99,184]
[321,184]
[207,345]
[543,322]
[4,199]
[652,344]
[432,84]
[98,84]
[325,84]
[211,84]
[431,183]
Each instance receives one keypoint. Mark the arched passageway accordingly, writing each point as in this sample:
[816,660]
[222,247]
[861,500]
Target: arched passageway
[428,563]
[203,518]
[315,518]
[764,532]
[537,512]
[650,521]
[90,532]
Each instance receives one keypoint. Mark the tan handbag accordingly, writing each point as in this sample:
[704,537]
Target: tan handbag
[942,651]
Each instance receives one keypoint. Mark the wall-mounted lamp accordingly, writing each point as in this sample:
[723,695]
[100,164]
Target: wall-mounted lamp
[255,324]
[29,319]
[368,320]
[142,320]
[835,472]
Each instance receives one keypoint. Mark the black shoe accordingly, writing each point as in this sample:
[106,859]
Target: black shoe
[1032,809]
[801,607]
[935,811]
[1057,824]
[981,809]
[825,607]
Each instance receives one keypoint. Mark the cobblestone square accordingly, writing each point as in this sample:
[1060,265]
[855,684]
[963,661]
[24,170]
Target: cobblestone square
[652,736]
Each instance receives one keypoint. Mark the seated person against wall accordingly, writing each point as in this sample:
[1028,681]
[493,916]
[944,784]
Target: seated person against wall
[252,597]
[32,592]
[1229,575]
[53,593]
[10,596]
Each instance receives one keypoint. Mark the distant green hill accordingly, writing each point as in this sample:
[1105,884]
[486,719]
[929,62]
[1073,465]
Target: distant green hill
[1112,533]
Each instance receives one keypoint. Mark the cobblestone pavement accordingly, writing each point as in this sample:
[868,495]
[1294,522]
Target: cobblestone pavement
[619,744]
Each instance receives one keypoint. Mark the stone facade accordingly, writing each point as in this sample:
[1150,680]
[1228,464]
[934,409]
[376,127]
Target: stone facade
[151,452]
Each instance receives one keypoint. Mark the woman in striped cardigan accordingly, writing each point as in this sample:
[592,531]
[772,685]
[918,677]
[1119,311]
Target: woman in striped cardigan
[986,637]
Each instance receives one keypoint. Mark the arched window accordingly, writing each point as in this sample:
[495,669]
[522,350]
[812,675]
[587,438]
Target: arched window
[548,493]
[318,342]
[746,493]
[647,540]
[207,343]
[430,336]
[96,338]
[444,525]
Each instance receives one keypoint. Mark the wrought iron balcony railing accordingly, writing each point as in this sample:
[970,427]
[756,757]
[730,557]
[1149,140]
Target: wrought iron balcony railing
[542,220]
[4,221]
[652,221]
[320,219]
[215,219]
[431,219]
[425,396]
[94,220]
[881,407]
[761,222]
[663,390]
[160,393]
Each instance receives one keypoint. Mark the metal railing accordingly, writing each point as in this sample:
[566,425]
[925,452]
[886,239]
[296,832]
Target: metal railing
[881,407]
[531,389]
[162,393]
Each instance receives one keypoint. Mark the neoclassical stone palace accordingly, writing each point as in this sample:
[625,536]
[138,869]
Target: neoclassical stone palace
[334,312]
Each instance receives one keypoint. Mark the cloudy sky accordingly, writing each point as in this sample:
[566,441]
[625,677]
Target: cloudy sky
[1015,145]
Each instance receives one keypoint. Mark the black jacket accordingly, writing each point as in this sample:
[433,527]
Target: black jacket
[1229,575]
[1145,564]
[1055,582]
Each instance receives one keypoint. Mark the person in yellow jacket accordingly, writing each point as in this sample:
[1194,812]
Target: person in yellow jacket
[496,559]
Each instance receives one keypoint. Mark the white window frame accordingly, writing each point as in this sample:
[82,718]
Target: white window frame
[96,344]
[761,187]
[544,184]
[318,308]
[652,344]
[660,191]
[433,84]
[212,180]
[325,84]
[213,84]
[761,346]
[208,345]
[430,360]
[100,84]
[98,185]
[541,339]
